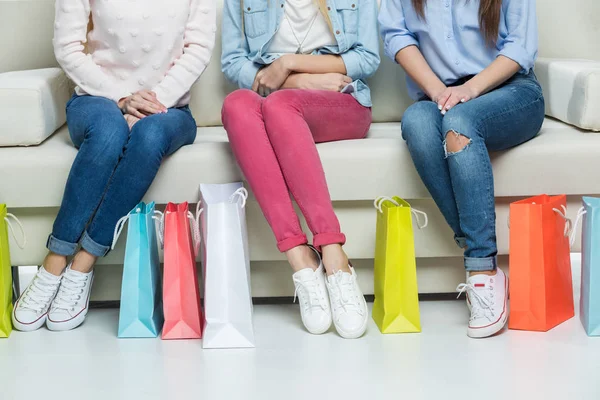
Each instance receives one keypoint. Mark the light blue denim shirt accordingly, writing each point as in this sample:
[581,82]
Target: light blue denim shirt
[450,39]
[354,26]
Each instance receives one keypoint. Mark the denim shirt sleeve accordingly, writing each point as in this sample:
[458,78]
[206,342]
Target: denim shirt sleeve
[362,60]
[235,63]
[392,25]
[521,41]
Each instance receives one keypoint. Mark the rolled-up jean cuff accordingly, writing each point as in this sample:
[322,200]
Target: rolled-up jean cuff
[323,239]
[92,247]
[290,243]
[481,264]
[61,247]
[461,242]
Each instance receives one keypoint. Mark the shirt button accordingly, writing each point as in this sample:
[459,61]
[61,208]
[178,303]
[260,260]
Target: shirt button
[281,5]
[328,8]
[249,9]
[447,4]
[448,36]
[456,62]
[337,32]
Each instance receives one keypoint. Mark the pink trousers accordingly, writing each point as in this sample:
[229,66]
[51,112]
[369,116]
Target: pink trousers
[273,140]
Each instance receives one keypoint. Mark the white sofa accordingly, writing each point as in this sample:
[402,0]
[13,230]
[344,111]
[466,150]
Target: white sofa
[563,159]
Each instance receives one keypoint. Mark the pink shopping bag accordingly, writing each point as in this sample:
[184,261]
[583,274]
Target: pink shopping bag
[181,295]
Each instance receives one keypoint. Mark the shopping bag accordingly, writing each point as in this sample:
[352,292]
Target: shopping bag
[6,284]
[590,265]
[541,287]
[141,314]
[181,296]
[226,262]
[396,307]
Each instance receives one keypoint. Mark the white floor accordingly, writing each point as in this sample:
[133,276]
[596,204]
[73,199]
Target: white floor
[441,362]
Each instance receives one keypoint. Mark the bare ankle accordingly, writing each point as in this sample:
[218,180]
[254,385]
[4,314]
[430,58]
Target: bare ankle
[83,262]
[335,259]
[301,257]
[55,263]
[488,273]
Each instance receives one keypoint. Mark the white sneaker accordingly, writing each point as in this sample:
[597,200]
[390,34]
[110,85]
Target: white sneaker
[31,310]
[70,306]
[350,313]
[487,298]
[312,294]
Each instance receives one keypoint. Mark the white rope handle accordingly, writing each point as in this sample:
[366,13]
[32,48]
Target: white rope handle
[568,222]
[10,216]
[580,215]
[241,194]
[196,231]
[378,203]
[160,218]
[118,229]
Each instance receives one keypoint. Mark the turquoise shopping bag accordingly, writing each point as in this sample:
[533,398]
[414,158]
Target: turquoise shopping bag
[590,266]
[141,314]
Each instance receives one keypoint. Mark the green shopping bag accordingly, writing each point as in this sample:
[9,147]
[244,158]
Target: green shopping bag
[6,289]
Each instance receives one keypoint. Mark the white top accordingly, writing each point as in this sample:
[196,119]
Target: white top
[159,45]
[298,18]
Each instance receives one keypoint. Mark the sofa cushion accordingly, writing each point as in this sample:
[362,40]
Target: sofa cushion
[562,159]
[571,91]
[32,105]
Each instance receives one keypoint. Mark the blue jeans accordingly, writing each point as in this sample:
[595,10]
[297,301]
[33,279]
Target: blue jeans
[113,169]
[462,183]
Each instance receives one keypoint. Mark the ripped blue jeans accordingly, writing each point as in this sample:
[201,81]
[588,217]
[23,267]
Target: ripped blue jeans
[461,182]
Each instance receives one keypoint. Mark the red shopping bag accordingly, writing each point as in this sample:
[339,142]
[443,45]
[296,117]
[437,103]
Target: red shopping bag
[541,288]
[181,295]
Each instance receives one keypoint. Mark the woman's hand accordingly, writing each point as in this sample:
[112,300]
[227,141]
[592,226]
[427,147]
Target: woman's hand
[455,95]
[131,120]
[141,104]
[271,78]
[333,81]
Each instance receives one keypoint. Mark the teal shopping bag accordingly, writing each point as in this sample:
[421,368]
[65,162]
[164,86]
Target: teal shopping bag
[141,314]
[590,266]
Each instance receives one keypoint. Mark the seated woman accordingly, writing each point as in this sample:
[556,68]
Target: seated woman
[300,65]
[133,70]
[470,67]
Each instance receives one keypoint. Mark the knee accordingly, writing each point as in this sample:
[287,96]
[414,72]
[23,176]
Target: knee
[459,130]
[108,136]
[279,104]
[148,138]
[239,103]
[419,127]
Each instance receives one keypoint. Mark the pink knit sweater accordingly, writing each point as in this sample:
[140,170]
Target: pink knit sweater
[159,45]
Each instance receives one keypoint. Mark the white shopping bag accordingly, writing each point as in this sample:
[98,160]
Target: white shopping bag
[226,266]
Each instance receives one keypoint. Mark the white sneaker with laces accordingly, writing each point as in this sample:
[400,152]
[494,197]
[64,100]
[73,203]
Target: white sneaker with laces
[350,313]
[312,295]
[31,309]
[487,298]
[70,306]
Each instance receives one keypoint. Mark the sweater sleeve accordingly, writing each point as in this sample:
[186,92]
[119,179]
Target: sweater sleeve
[199,41]
[70,34]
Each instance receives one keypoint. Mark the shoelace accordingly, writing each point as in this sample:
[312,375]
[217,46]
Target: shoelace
[39,293]
[314,297]
[479,303]
[344,293]
[70,291]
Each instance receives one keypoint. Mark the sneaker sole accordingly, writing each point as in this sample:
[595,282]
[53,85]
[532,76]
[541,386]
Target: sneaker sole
[30,327]
[480,333]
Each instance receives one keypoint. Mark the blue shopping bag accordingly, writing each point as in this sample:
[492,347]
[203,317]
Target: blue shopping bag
[590,266]
[141,314]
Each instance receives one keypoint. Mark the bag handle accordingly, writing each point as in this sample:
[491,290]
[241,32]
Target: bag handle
[240,194]
[8,218]
[568,222]
[378,203]
[580,215]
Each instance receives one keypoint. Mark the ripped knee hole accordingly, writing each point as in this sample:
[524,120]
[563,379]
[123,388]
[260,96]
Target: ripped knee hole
[455,143]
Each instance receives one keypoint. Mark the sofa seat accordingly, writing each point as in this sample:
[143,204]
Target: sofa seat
[562,159]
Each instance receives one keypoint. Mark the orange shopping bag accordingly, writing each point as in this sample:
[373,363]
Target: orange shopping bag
[181,295]
[541,288]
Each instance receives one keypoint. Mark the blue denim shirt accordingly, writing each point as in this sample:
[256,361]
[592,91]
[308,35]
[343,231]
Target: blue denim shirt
[354,27]
[451,41]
